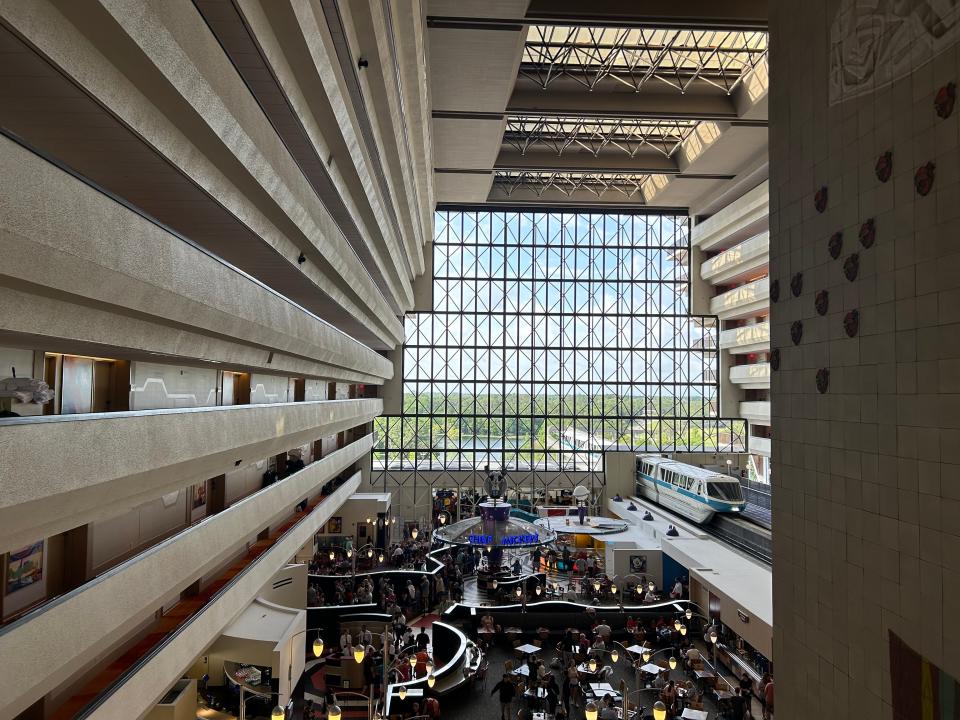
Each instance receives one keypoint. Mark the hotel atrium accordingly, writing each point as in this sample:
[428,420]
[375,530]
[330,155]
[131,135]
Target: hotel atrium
[462,359]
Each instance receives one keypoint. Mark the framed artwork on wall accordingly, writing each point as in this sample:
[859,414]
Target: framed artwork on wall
[361,530]
[199,495]
[638,563]
[335,526]
[24,567]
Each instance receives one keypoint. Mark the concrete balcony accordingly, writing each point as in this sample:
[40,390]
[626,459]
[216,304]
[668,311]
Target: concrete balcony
[760,445]
[118,461]
[741,262]
[745,301]
[736,222]
[56,641]
[756,412]
[110,282]
[747,339]
[755,376]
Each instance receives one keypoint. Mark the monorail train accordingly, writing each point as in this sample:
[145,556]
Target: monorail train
[687,490]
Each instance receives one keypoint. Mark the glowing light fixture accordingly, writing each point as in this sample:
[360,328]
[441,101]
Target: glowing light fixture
[370,552]
[591,711]
[689,614]
[332,555]
[358,653]
[683,629]
[593,665]
[713,635]
[539,590]
[369,520]
[431,680]
[519,591]
[318,647]
[494,584]
[646,654]
[614,655]
[334,713]
[429,667]
[651,587]
[414,533]
[380,557]
[278,713]
[673,663]
[402,692]
[659,711]
[613,588]
[413,661]
[349,552]
[676,624]
[596,586]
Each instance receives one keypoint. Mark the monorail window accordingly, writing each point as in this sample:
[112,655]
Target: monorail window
[725,491]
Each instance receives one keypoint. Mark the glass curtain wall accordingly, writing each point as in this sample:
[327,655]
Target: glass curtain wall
[555,336]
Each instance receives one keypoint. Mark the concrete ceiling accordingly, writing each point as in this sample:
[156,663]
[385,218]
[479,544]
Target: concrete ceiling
[525,114]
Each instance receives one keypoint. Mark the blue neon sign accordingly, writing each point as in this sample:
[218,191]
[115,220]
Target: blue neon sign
[505,540]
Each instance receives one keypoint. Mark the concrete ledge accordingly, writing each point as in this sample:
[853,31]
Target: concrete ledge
[755,376]
[86,249]
[63,471]
[756,412]
[742,302]
[738,263]
[737,221]
[42,651]
[746,339]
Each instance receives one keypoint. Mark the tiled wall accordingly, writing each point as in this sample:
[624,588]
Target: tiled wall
[867,510]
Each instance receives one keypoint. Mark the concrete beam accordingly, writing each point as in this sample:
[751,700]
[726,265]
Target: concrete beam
[235,29]
[745,14]
[615,161]
[179,135]
[669,105]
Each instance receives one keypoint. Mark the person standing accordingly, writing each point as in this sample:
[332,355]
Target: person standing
[508,691]
[768,700]
[425,594]
[366,637]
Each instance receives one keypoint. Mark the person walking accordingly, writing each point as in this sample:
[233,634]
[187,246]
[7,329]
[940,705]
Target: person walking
[508,691]
[573,678]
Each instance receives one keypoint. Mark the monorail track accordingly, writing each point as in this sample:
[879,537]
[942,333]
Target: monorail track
[743,534]
[745,531]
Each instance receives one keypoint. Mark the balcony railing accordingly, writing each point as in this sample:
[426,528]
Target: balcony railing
[755,376]
[747,339]
[120,460]
[745,301]
[760,445]
[742,261]
[737,221]
[755,412]
[53,642]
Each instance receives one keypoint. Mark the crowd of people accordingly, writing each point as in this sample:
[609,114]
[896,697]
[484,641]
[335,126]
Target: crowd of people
[533,678]
[432,580]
